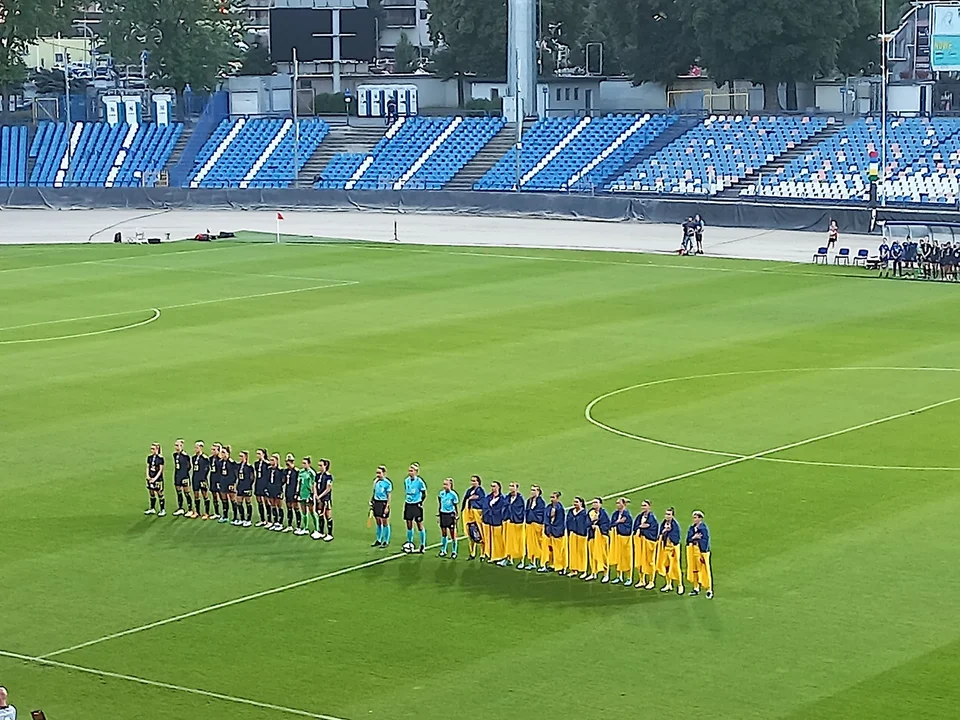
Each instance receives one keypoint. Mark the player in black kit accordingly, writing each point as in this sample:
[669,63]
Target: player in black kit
[216,472]
[274,491]
[200,481]
[260,486]
[181,479]
[325,500]
[228,484]
[244,490]
[155,481]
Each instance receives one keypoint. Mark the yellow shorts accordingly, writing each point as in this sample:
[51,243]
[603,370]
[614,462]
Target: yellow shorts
[644,555]
[555,552]
[621,552]
[599,547]
[535,542]
[577,553]
[494,542]
[668,562]
[514,540]
[698,568]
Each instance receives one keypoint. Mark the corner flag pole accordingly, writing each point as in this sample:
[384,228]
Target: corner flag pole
[279,219]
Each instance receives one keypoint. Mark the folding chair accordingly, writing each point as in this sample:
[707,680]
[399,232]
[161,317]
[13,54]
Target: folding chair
[842,257]
[820,256]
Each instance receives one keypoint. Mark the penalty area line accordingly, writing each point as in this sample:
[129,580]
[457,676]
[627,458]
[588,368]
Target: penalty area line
[164,685]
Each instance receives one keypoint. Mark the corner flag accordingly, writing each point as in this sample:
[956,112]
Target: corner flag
[279,218]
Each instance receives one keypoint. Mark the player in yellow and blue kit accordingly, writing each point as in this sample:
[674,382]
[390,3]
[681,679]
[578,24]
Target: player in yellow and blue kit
[698,556]
[380,505]
[448,501]
[492,517]
[513,516]
[621,545]
[534,541]
[599,541]
[646,532]
[415,493]
[472,507]
[554,537]
[668,552]
[578,527]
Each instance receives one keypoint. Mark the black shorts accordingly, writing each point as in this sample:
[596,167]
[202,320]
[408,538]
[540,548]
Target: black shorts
[380,509]
[292,497]
[260,490]
[325,503]
[274,492]
[155,486]
[226,489]
[199,485]
[413,512]
[448,520]
[243,491]
[181,482]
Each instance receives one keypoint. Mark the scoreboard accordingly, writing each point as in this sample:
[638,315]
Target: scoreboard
[311,33]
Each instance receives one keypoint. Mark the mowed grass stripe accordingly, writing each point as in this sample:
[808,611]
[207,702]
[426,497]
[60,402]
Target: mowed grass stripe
[470,364]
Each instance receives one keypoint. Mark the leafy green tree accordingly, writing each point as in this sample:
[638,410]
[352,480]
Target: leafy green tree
[21,22]
[405,55]
[191,42]
[473,34]
[650,40]
[770,41]
[256,60]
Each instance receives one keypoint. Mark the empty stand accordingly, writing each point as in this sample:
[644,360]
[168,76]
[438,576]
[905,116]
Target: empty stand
[837,168]
[717,153]
[13,156]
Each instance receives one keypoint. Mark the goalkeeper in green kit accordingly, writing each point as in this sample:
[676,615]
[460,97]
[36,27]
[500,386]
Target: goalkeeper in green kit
[307,478]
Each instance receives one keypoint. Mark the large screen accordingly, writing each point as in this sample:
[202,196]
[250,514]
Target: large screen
[945,41]
[311,33]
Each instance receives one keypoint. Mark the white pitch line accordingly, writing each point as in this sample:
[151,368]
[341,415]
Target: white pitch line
[209,271]
[588,414]
[228,603]
[379,561]
[164,685]
[156,311]
[123,257]
[154,317]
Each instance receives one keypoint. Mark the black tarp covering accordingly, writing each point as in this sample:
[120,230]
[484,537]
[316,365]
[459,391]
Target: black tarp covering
[610,208]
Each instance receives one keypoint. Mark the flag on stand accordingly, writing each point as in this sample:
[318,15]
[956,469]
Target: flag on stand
[279,216]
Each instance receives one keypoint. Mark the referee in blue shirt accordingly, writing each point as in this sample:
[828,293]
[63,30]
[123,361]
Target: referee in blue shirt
[415,492]
[380,507]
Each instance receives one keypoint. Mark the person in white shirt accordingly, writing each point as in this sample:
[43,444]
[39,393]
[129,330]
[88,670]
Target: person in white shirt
[7,712]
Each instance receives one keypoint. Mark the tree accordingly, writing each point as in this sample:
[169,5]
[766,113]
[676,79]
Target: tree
[405,55]
[190,42]
[770,41]
[21,22]
[649,40]
[471,36]
[256,60]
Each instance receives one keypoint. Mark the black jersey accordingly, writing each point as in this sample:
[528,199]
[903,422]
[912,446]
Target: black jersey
[155,463]
[181,466]
[244,473]
[228,471]
[274,475]
[291,479]
[201,467]
[260,468]
[324,481]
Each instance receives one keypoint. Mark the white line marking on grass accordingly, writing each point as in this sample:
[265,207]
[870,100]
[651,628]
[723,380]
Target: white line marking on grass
[228,603]
[164,685]
[156,311]
[141,323]
[588,414]
[123,257]
[208,271]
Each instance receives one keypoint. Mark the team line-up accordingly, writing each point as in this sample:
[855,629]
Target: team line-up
[532,534]
[503,528]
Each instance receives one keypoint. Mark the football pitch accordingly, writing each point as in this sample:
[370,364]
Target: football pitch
[811,414]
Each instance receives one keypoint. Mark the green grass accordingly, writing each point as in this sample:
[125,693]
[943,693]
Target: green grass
[836,588]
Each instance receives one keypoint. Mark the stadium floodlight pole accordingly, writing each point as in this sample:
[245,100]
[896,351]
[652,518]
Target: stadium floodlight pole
[518,112]
[66,87]
[296,122]
[883,102]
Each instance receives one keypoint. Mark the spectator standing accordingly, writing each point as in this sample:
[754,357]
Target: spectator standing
[833,234]
[7,712]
